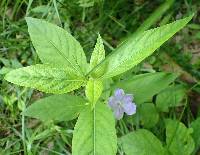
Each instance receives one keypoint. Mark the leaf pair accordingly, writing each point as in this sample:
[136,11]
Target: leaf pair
[92,128]
[64,61]
[59,49]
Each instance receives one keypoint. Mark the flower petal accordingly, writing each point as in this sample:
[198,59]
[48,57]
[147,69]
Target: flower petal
[112,103]
[127,98]
[119,93]
[129,108]
[118,113]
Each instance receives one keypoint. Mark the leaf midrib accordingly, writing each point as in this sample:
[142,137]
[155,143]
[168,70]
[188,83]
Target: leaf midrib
[94,131]
[57,50]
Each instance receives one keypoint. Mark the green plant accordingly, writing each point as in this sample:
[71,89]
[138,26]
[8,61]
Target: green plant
[65,69]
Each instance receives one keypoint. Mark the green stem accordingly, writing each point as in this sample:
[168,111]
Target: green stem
[23,132]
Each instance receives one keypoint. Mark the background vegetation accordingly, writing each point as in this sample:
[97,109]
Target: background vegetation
[114,20]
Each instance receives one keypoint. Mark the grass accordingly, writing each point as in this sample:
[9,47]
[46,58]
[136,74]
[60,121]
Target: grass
[115,21]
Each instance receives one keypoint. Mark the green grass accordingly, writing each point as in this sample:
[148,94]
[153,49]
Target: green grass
[115,21]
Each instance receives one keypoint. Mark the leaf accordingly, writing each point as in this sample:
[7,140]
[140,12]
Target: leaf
[86,3]
[45,78]
[41,9]
[170,97]
[56,107]
[55,46]
[148,115]
[41,135]
[137,48]
[94,132]
[155,16]
[98,54]
[93,90]
[178,138]
[196,133]
[141,142]
[144,86]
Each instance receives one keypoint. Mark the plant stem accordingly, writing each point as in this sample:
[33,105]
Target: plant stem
[23,131]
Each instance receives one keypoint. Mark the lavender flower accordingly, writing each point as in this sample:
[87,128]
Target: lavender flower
[121,103]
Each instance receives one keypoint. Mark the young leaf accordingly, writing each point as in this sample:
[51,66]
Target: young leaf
[178,138]
[141,142]
[93,90]
[196,133]
[170,97]
[137,48]
[56,107]
[45,78]
[94,132]
[55,46]
[98,54]
[144,86]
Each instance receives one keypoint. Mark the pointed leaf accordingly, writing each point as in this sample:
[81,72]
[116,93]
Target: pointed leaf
[141,142]
[56,46]
[45,78]
[137,48]
[56,107]
[94,132]
[98,54]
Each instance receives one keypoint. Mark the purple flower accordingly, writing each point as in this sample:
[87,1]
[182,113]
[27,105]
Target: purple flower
[121,103]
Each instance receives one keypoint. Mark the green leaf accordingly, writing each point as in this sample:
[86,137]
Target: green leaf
[155,16]
[41,135]
[170,97]
[93,90]
[137,48]
[148,114]
[98,54]
[45,78]
[141,142]
[56,107]
[196,133]
[178,138]
[94,132]
[55,46]
[144,86]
